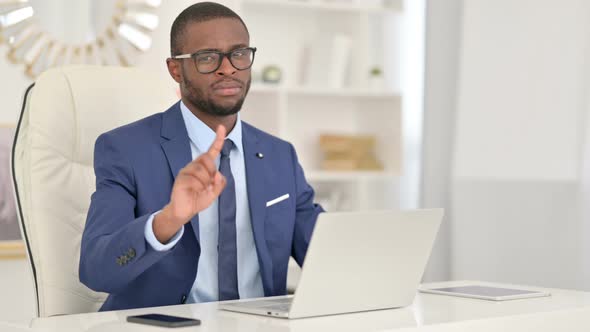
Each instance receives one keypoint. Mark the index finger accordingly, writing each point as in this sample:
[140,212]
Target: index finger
[217,144]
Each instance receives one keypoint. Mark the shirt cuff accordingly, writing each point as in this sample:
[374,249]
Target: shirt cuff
[150,237]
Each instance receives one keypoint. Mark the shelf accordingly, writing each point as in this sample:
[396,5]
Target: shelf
[325,38]
[266,88]
[327,5]
[323,92]
[349,176]
[343,92]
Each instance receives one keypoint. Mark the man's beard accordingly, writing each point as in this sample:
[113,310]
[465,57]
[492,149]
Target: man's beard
[196,97]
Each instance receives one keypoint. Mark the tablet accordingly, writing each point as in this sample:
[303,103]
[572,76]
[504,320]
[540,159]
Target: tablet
[486,292]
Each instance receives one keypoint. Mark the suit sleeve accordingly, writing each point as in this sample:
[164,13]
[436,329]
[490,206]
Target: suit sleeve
[306,212]
[114,250]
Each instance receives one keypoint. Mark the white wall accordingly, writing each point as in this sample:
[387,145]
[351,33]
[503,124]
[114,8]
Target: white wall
[522,89]
[443,27]
[519,133]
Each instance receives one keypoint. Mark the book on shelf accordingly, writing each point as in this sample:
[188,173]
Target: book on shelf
[345,143]
[349,152]
[366,164]
[339,64]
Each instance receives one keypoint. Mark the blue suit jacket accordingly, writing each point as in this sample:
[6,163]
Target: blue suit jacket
[135,167]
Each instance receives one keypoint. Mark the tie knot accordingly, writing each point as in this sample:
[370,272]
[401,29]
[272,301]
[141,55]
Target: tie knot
[227,146]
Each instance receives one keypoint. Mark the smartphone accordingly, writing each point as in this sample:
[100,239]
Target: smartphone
[163,320]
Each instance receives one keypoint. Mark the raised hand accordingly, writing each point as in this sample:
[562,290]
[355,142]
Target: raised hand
[196,186]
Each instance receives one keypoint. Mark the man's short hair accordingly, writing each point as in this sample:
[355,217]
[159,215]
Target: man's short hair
[199,12]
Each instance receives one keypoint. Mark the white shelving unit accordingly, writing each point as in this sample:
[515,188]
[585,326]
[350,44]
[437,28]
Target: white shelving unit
[345,6]
[325,50]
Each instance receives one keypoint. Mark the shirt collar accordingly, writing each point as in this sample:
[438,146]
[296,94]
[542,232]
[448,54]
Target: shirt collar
[202,136]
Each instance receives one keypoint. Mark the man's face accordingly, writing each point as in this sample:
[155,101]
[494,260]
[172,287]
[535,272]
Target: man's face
[223,91]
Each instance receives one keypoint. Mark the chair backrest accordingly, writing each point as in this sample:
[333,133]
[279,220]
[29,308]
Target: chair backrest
[52,164]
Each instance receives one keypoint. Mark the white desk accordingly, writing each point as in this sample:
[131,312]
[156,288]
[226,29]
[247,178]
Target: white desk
[9,327]
[565,310]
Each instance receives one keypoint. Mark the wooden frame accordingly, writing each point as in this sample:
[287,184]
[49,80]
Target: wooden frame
[12,248]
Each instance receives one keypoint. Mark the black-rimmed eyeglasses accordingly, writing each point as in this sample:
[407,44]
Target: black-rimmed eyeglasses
[207,62]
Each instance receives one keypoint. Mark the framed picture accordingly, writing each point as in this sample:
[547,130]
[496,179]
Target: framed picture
[11,244]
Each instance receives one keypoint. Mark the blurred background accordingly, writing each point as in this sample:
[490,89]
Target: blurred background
[479,107]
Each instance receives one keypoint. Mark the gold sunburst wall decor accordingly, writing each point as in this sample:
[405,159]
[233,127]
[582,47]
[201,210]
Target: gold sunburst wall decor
[126,34]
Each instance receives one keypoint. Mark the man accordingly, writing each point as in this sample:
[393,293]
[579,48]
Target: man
[181,212]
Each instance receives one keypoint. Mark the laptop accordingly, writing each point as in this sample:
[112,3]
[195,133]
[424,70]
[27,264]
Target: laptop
[356,261]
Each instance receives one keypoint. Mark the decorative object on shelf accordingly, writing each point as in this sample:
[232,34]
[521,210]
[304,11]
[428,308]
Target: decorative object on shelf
[126,32]
[376,79]
[271,74]
[349,153]
[339,60]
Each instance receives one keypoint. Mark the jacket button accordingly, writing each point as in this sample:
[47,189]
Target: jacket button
[131,253]
[183,300]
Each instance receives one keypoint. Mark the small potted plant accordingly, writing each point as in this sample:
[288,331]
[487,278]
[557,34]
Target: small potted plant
[271,74]
[376,79]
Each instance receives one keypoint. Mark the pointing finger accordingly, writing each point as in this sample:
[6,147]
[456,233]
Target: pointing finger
[217,144]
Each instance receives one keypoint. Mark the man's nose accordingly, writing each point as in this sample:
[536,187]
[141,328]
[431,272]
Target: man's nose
[226,67]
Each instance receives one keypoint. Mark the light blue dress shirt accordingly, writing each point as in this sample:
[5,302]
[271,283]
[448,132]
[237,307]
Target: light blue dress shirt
[205,287]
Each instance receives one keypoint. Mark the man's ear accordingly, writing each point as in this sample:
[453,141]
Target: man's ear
[174,70]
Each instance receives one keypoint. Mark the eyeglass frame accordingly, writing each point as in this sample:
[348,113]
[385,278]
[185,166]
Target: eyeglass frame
[222,55]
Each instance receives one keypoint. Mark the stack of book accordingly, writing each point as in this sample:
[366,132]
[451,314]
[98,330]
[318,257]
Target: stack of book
[349,153]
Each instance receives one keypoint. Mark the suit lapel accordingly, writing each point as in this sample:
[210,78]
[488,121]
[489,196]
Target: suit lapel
[256,184]
[176,146]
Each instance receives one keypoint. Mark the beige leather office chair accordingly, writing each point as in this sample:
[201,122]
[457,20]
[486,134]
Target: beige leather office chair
[63,114]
